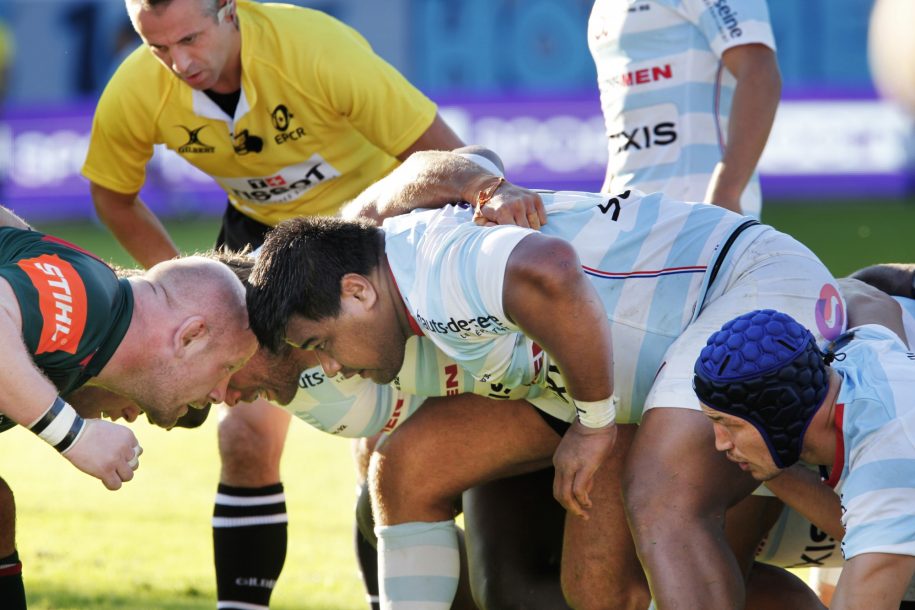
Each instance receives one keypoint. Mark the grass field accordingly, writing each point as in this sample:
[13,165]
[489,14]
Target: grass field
[147,546]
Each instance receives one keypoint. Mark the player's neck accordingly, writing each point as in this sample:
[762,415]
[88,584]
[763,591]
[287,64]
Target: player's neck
[143,336]
[390,295]
[820,439]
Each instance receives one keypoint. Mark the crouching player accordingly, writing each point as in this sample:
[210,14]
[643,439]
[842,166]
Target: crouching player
[774,398]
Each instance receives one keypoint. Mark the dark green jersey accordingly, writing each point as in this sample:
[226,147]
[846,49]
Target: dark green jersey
[75,311]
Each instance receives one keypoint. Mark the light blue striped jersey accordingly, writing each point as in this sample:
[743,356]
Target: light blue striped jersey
[874,471]
[665,94]
[358,407]
[646,255]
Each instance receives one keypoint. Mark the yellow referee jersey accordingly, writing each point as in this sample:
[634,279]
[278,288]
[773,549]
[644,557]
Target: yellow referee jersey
[319,119]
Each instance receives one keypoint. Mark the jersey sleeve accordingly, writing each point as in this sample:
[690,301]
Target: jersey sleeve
[353,407]
[122,138]
[731,23]
[877,498]
[383,105]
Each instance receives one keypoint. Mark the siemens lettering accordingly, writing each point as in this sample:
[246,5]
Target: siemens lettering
[471,326]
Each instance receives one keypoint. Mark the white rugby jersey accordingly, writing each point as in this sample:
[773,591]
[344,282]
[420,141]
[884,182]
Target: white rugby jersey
[665,94]
[874,471]
[358,407]
[646,255]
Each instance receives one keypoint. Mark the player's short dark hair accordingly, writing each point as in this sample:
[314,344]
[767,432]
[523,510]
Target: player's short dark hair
[299,268]
[240,262]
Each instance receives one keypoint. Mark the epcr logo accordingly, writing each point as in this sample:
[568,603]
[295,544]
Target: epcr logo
[830,312]
[280,117]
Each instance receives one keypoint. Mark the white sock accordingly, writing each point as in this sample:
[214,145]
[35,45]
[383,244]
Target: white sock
[418,565]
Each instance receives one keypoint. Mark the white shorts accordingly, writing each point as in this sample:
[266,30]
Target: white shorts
[771,270]
[794,542]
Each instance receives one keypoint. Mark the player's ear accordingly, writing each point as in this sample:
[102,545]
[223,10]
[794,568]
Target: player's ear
[226,12]
[189,334]
[359,289]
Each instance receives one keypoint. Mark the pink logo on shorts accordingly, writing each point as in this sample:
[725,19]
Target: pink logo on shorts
[830,312]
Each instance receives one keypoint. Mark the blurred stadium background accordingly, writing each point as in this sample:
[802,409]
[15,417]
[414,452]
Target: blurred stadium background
[514,75]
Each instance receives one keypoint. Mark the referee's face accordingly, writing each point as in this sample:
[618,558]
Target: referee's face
[190,40]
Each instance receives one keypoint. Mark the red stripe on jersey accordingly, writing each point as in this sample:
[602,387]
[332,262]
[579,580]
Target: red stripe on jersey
[61,300]
[838,463]
[537,357]
[63,242]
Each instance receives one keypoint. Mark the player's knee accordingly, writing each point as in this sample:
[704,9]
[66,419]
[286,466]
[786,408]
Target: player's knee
[621,590]
[250,453]
[641,495]
[403,490]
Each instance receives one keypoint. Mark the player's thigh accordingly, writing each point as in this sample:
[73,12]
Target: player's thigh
[599,559]
[452,444]
[251,440]
[674,468]
[513,528]
[773,588]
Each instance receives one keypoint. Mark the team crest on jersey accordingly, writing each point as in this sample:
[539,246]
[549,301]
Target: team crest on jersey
[282,118]
[61,300]
[194,143]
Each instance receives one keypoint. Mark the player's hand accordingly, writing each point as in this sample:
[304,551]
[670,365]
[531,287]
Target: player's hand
[512,205]
[580,453]
[108,451]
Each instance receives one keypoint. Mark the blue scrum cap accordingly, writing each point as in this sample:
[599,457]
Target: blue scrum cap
[765,367]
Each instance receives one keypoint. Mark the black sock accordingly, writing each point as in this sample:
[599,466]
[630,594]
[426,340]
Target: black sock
[249,544]
[12,593]
[368,565]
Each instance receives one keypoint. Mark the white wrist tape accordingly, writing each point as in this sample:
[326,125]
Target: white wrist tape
[598,413]
[60,426]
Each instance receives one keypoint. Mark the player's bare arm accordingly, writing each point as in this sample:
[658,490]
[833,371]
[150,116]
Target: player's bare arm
[756,98]
[101,449]
[876,581]
[436,178]
[438,136]
[868,305]
[897,279]
[134,225]
[548,297]
[801,489]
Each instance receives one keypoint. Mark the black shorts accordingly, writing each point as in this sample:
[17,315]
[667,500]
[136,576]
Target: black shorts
[238,231]
[555,423]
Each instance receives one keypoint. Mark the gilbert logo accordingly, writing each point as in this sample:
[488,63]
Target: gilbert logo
[193,144]
[61,300]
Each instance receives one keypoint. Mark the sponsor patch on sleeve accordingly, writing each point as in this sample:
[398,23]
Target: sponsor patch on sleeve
[61,300]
